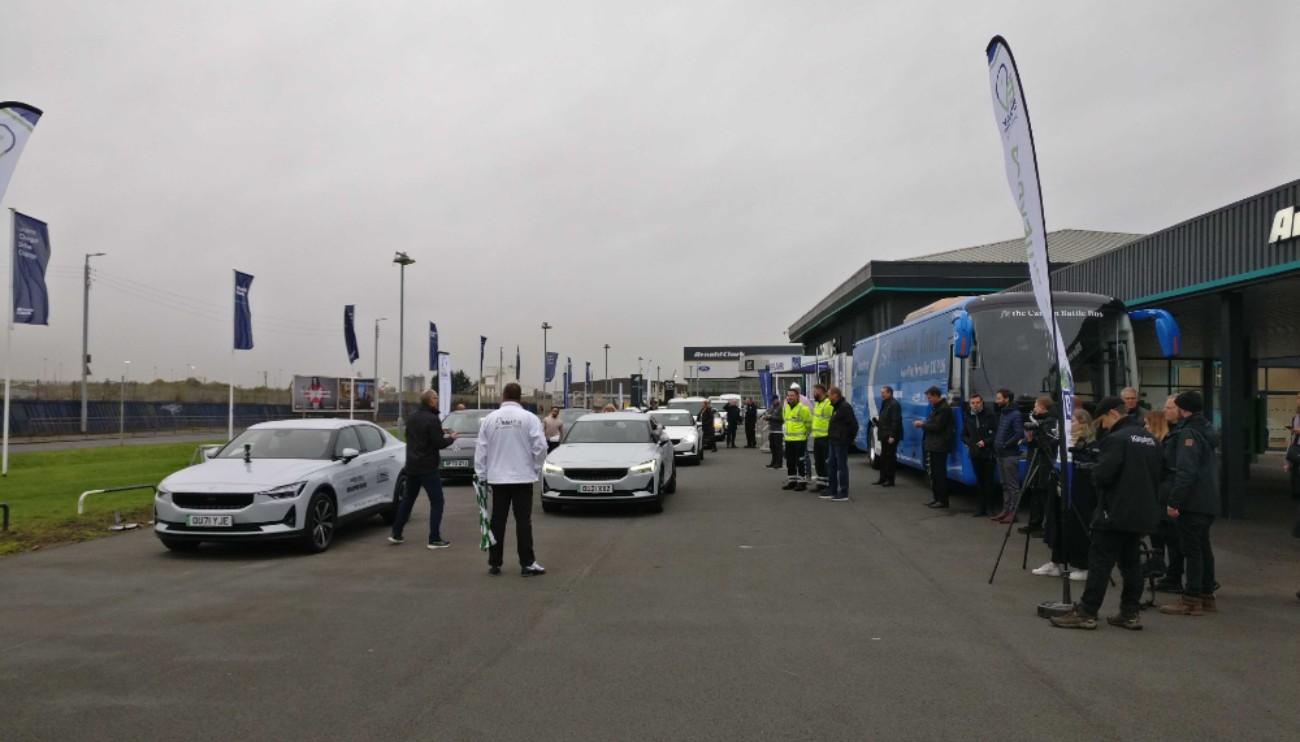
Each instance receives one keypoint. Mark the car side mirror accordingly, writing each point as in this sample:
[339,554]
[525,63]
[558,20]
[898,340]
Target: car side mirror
[210,452]
[348,454]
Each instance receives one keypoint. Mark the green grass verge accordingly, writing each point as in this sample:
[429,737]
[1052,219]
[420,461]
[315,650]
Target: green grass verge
[42,490]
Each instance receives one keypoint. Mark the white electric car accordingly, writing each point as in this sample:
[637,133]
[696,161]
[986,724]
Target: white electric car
[289,479]
[683,432]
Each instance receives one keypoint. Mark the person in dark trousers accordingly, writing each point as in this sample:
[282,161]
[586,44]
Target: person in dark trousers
[821,413]
[979,430]
[706,424]
[1041,435]
[1172,581]
[424,439]
[1127,477]
[733,423]
[798,427]
[751,423]
[937,443]
[508,457]
[776,433]
[841,432]
[1006,446]
[1193,503]
[889,431]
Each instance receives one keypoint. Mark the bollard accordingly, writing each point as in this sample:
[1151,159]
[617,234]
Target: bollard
[81,501]
[5,507]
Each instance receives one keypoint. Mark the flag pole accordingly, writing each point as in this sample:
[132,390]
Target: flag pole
[352,394]
[230,412]
[9,343]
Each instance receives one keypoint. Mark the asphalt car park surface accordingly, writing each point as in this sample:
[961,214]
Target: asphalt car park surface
[742,612]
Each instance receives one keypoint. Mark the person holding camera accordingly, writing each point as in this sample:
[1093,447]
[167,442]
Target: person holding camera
[1126,477]
[1043,437]
[937,442]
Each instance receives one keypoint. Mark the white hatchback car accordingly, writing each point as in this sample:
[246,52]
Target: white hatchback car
[289,479]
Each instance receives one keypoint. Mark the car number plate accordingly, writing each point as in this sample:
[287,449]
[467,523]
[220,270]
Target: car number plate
[595,489]
[211,521]
[457,464]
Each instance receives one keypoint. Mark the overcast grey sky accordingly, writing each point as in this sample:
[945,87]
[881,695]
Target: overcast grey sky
[649,175]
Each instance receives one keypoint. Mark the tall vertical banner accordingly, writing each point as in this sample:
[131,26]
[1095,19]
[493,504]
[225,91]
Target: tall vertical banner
[31,256]
[568,379]
[433,349]
[350,333]
[16,123]
[765,387]
[482,345]
[552,359]
[516,363]
[243,312]
[586,385]
[1011,114]
[444,380]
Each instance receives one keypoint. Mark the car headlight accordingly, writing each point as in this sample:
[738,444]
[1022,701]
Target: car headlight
[688,438]
[162,493]
[550,468]
[288,490]
[645,467]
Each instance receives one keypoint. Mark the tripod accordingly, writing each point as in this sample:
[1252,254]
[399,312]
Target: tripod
[1035,465]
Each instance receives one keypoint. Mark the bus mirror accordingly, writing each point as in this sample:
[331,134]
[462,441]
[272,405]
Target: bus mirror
[1167,332]
[963,334]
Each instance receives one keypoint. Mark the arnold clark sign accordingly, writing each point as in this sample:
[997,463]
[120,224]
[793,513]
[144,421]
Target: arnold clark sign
[1285,226]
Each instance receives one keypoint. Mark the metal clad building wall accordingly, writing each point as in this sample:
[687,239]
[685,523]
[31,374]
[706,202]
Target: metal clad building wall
[1223,244]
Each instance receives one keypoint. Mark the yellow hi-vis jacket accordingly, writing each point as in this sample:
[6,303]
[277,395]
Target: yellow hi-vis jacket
[798,422]
[821,418]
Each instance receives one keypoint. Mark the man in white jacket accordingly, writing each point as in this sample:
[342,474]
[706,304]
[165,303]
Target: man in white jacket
[508,458]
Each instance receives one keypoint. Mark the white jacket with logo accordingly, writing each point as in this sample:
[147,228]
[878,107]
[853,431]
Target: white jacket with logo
[510,447]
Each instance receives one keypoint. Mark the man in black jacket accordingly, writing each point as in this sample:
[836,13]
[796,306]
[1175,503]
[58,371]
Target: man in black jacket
[936,443]
[733,422]
[1127,479]
[843,428]
[424,439]
[1193,502]
[889,431]
[706,424]
[751,423]
[979,428]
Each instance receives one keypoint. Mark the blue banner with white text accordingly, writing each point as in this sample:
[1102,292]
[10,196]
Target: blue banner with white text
[31,256]
[243,312]
[350,333]
[433,347]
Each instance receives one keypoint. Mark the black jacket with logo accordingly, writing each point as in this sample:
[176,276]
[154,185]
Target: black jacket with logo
[706,421]
[751,415]
[424,439]
[976,427]
[890,421]
[1127,479]
[843,425]
[1196,467]
[938,427]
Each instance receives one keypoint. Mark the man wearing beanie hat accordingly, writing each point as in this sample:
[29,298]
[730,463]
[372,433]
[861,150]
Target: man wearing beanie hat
[1193,502]
[1127,478]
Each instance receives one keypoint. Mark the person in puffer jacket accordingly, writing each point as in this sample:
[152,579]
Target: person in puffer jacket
[1193,503]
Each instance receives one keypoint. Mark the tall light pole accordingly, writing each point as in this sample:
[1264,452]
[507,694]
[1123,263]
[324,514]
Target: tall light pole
[403,260]
[546,327]
[121,408]
[606,373]
[375,382]
[85,335]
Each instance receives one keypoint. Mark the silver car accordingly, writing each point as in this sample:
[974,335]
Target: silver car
[610,457]
[289,479]
[457,460]
[683,432]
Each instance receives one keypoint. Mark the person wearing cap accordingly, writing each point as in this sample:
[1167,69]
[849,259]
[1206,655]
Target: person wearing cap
[1127,480]
[889,431]
[937,442]
[821,421]
[1193,503]
[797,419]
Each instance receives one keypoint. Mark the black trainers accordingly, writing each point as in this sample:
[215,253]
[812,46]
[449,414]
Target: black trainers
[1132,623]
[494,570]
[533,570]
[439,544]
[789,486]
[840,498]
[801,487]
[1074,620]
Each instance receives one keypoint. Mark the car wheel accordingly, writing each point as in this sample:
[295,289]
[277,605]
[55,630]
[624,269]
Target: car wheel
[322,519]
[671,486]
[179,544]
[551,507]
[390,513]
[655,506]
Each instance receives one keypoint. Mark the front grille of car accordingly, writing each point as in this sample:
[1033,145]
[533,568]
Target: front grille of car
[196,501]
[676,441]
[595,475]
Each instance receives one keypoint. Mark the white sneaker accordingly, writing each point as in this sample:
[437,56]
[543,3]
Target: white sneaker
[533,570]
[396,540]
[1079,575]
[1048,570]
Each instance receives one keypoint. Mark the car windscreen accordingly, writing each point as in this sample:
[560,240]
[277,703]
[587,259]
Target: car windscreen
[674,418]
[571,415]
[691,407]
[608,431]
[464,423]
[280,443]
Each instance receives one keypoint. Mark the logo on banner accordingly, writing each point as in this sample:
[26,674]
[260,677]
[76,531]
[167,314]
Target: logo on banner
[7,140]
[1005,90]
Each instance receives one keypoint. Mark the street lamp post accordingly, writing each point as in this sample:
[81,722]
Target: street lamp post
[375,382]
[121,406]
[85,335]
[403,260]
[546,354]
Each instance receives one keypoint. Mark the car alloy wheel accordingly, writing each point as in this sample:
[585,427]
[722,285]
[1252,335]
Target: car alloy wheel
[321,522]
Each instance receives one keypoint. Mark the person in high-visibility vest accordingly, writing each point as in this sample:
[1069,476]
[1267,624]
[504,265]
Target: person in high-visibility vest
[798,426]
[821,427]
